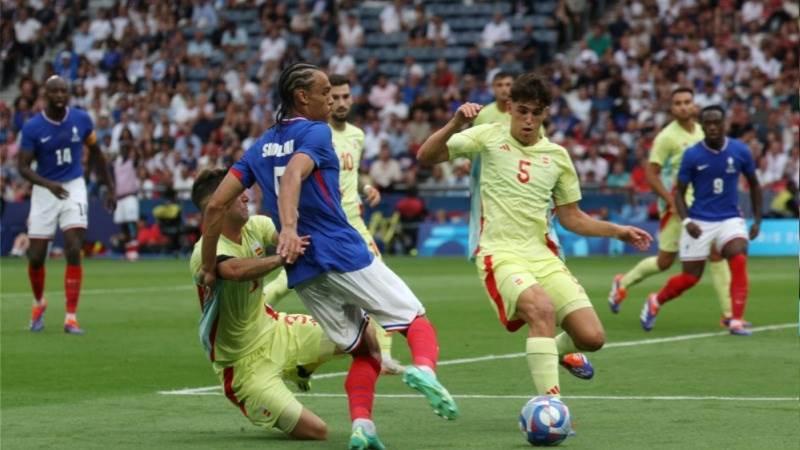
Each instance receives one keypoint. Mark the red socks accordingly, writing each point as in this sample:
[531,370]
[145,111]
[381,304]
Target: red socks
[72,287]
[37,281]
[739,285]
[422,342]
[675,287]
[360,386]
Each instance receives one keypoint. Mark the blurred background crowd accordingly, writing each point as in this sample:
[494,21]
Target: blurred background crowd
[191,81]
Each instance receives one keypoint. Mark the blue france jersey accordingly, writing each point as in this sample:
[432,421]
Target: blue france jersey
[57,146]
[715,178]
[335,244]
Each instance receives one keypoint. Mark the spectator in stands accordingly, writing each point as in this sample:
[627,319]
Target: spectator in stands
[27,31]
[382,92]
[417,34]
[385,171]
[234,38]
[326,29]
[412,213]
[396,17]
[618,179]
[776,162]
[474,63]
[411,69]
[397,108]
[438,32]
[496,31]
[593,163]
[443,77]
[204,15]
[599,41]
[341,63]
[439,178]
[272,47]
[351,33]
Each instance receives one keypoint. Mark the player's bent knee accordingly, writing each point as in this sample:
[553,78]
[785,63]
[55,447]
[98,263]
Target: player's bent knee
[665,260]
[309,427]
[592,341]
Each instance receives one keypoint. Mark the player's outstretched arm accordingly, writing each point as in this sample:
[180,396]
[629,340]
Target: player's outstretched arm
[290,245]
[577,221]
[434,149]
[24,168]
[756,200]
[247,269]
[227,192]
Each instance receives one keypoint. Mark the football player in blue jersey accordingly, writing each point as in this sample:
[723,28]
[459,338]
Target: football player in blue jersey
[713,167]
[54,138]
[336,277]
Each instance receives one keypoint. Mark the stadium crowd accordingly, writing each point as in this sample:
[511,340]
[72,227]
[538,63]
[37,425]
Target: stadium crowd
[184,80]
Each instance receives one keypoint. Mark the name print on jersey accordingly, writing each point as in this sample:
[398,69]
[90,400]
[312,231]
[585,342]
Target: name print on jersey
[275,149]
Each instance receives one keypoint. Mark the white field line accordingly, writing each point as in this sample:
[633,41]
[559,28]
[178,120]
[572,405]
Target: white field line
[133,290]
[215,390]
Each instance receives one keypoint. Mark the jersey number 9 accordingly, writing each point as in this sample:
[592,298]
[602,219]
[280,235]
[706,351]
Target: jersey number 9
[719,185]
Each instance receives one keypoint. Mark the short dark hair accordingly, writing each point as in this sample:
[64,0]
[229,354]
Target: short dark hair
[205,185]
[681,89]
[712,108]
[531,87]
[502,74]
[296,76]
[338,80]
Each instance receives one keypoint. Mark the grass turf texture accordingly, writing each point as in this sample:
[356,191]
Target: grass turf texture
[101,390]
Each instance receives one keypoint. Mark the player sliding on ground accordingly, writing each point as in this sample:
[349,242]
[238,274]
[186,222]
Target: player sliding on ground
[525,279]
[251,346]
[348,141]
[712,167]
[337,278]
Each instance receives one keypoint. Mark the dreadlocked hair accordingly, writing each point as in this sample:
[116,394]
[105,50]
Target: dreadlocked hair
[296,76]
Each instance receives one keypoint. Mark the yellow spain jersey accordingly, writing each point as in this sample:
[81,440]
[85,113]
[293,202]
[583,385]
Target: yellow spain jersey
[491,114]
[517,183]
[349,144]
[235,321]
[668,148]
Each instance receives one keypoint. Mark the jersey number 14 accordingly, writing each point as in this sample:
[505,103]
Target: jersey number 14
[63,156]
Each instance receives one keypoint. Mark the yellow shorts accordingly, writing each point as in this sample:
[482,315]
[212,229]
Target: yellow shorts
[254,383]
[669,232]
[505,277]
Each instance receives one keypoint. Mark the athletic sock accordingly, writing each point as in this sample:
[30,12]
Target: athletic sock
[367,424]
[565,344]
[360,386]
[423,344]
[36,276]
[739,285]
[542,358]
[645,268]
[72,287]
[721,279]
[676,286]
[276,289]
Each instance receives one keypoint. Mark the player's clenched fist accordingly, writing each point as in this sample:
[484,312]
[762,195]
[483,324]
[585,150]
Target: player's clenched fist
[466,113]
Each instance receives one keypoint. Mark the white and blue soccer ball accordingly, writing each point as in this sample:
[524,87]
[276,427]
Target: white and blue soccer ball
[545,421]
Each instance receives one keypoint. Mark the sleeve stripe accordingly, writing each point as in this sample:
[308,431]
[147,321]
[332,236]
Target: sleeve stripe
[238,174]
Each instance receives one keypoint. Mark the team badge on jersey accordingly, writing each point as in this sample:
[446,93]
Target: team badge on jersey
[545,160]
[75,137]
[258,249]
[731,168]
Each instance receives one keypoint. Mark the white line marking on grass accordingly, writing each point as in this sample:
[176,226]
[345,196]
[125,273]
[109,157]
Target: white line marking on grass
[214,390]
[132,290]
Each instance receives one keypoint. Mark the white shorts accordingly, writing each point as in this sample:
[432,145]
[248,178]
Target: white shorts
[340,301]
[48,211]
[127,209]
[714,233]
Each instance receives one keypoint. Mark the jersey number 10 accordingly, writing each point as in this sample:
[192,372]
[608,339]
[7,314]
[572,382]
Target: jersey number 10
[63,156]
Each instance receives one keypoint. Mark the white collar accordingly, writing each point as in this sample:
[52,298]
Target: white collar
[55,122]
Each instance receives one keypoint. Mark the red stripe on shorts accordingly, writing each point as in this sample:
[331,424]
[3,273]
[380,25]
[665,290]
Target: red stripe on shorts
[494,293]
[664,219]
[227,375]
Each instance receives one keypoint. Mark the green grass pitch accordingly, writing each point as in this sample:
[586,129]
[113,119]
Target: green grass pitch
[101,390]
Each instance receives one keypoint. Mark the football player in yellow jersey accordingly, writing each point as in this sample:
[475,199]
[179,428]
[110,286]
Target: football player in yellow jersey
[348,141]
[253,348]
[526,281]
[665,160]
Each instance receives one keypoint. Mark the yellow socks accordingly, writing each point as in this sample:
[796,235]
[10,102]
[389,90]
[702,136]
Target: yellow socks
[276,289]
[564,344]
[642,270]
[542,358]
[721,278]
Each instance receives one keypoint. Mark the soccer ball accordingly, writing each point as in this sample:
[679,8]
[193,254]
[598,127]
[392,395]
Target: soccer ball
[545,421]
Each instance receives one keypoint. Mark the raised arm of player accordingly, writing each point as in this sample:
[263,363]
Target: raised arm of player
[98,160]
[577,221]
[228,191]
[24,168]
[434,149]
[290,245]
[756,201]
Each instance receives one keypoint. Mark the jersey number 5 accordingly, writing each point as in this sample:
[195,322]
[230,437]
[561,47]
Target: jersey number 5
[523,175]
[63,156]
